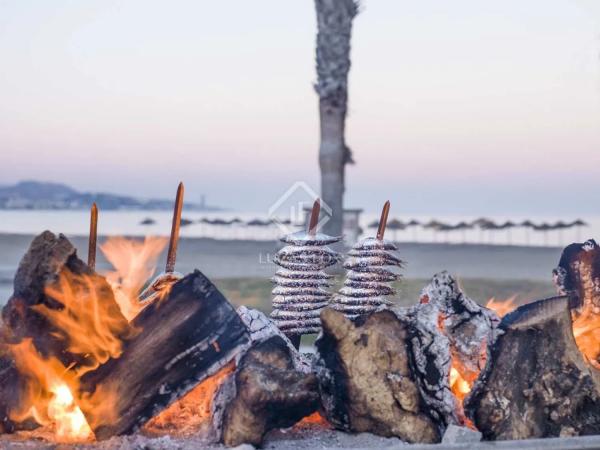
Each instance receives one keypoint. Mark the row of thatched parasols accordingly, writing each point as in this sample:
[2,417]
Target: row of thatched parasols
[483,224]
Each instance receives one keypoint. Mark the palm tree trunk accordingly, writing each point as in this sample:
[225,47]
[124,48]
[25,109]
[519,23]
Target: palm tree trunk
[334,23]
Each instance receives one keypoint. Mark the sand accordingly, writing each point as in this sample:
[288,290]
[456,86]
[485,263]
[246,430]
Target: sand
[220,259]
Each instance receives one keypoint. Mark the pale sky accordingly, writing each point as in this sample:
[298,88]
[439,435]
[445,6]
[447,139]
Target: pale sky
[467,106]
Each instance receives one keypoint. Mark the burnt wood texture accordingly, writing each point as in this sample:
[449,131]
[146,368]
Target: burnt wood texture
[183,339]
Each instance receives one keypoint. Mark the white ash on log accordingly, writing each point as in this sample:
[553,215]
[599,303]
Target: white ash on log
[578,275]
[430,350]
[49,260]
[368,279]
[366,378]
[469,326]
[536,382]
[265,392]
[186,337]
[301,290]
[261,328]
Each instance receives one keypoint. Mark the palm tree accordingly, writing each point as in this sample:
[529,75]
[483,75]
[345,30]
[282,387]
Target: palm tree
[334,25]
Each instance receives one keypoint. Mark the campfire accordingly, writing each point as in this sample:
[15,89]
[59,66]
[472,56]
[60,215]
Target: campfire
[87,356]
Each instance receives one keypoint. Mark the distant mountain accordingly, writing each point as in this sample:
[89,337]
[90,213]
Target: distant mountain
[40,195]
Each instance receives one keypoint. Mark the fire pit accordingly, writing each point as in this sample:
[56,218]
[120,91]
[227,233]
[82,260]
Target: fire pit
[85,359]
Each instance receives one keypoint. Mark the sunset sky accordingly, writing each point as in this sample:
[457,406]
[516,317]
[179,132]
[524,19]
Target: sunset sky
[455,107]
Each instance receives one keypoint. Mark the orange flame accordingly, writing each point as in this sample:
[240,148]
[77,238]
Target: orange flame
[47,396]
[502,307]
[134,262]
[92,327]
[586,330]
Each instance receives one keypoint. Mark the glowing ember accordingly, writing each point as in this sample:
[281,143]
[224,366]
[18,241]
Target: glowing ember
[191,412]
[502,307]
[460,387]
[314,420]
[586,329]
[134,262]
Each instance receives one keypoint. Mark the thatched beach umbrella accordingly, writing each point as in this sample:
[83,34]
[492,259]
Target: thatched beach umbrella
[528,225]
[508,226]
[395,225]
[433,225]
[544,228]
[258,223]
[578,224]
[463,227]
[414,224]
[483,223]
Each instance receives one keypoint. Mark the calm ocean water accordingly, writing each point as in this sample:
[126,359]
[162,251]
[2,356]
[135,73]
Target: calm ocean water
[129,223]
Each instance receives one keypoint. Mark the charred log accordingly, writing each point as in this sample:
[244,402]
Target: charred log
[261,328]
[183,339]
[536,382]
[10,383]
[578,275]
[49,260]
[365,377]
[266,392]
[431,353]
[468,325]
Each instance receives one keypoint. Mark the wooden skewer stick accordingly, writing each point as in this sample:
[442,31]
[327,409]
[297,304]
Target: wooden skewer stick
[172,253]
[314,217]
[93,237]
[383,220]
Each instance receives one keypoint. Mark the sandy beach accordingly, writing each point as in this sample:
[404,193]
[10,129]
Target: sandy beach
[242,268]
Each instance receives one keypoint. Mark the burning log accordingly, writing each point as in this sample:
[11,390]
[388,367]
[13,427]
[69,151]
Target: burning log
[536,382]
[430,349]
[49,272]
[365,377]
[468,325]
[578,275]
[181,340]
[266,392]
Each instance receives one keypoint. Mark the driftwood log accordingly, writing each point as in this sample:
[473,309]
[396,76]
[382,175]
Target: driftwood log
[366,378]
[49,259]
[265,392]
[184,338]
[536,382]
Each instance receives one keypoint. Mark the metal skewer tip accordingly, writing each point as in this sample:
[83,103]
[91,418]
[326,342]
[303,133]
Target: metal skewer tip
[383,220]
[172,253]
[314,217]
[93,236]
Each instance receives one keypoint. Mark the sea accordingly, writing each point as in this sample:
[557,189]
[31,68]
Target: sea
[129,223]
